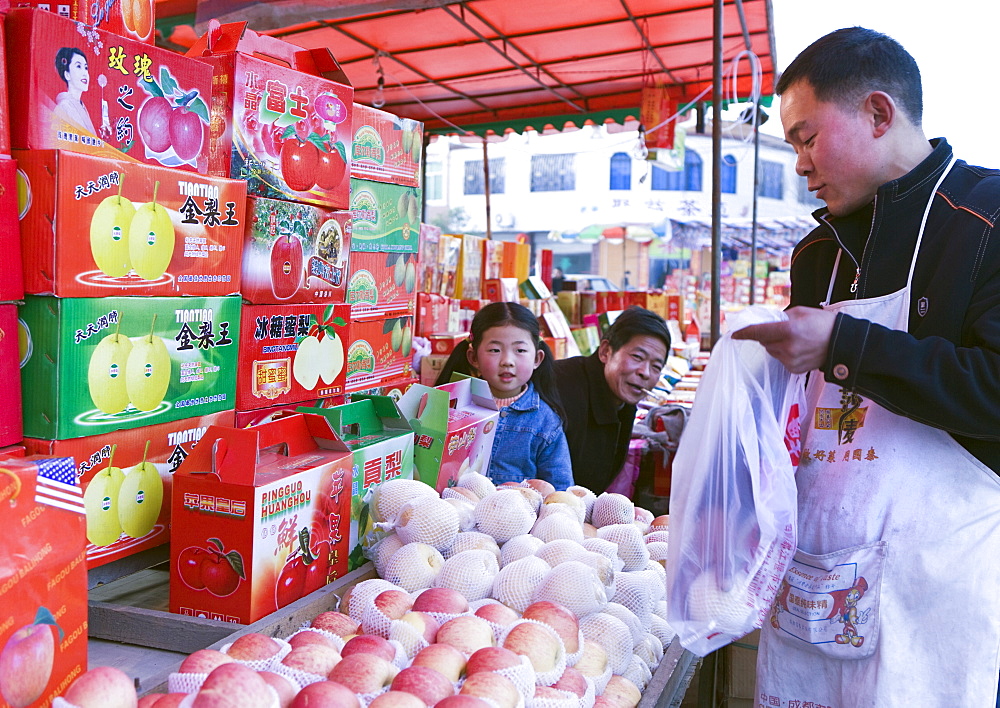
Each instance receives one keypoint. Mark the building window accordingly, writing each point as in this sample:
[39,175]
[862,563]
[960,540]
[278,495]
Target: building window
[621,171]
[552,173]
[686,180]
[772,179]
[728,174]
[434,180]
[474,183]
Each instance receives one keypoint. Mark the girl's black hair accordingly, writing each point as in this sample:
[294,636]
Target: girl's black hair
[64,57]
[497,314]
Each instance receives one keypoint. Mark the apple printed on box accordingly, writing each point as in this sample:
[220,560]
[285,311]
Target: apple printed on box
[382,283]
[127,478]
[291,354]
[379,351]
[93,227]
[385,147]
[382,442]
[281,115]
[259,518]
[453,429]
[43,580]
[295,252]
[96,365]
[116,97]
[386,217]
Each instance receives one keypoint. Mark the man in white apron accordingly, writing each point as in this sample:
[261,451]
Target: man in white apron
[893,598]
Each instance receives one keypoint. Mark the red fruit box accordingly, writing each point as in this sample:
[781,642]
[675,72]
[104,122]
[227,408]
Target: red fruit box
[261,518]
[379,351]
[124,519]
[245,419]
[294,252]
[445,342]
[281,116]
[382,283]
[117,97]
[11,279]
[93,227]
[432,313]
[128,18]
[429,270]
[43,581]
[10,374]
[4,106]
[385,147]
[291,354]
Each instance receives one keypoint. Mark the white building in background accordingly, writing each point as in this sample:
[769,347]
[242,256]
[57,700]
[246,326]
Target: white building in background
[551,187]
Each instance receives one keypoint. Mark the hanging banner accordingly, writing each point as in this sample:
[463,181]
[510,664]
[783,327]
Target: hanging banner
[670,158]
[658,106]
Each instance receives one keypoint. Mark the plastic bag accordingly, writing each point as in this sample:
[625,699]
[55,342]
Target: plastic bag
[733,497]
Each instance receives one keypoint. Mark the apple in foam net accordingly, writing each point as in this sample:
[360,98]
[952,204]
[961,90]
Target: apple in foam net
[335,622]
[550,693]
[572,681]
[491,659]
[560,618]
[326,694]
[541,486]
[496,687]
[363,673]
[253,647]
[423,623]
[593,659]
[285,689]
[397,699]
[233,685]
[497,613]
[460,701]
[621,692]
[467,633]
[393,603]
[308,636]
[172,700]
[538,642]
[204,661]
[369,644]
[444,658]
[312,659]
[428,685]
[443,600]
[103,687]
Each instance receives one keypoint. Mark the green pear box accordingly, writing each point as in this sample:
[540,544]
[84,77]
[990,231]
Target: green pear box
[386,148]
[96,365]
[382,443]
[127,479]
[379,351]
[291,354]
[386,217]
[382,283]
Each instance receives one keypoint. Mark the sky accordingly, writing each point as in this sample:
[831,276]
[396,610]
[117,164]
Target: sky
[954,44]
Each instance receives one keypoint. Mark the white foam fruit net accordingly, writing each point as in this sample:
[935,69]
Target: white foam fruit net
[651,650]
[519,547]
[414,566]
[466,511]
[560,699]
[362,595]
[638,591]
[638,673]
[659,628]
[544,676]
[550,508]
[611,508]
[429,520]
[473,540]
[481,485]
[504,514]
[389,497]
[469,572]
[566,502]
[658,552]
[574,585]
[516,581]
[588,499]
[605,548]
[264,664]
[453,493]
[661,535]
[522,676]
[631,548]
[531,496]
[556,526]
[560,550]
[630,619]
[382,550]
[605,567]
[656,569]
[612,634]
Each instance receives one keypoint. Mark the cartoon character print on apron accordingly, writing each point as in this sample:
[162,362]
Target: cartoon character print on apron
[893,598]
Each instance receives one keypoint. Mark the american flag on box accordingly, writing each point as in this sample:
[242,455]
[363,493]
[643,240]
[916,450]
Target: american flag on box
[56,485]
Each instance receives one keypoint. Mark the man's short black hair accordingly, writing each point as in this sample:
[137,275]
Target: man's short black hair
[634,322]
[852,62]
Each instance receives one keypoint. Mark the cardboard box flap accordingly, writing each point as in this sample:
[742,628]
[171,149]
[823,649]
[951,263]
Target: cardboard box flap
[238,37]
[365,416]
[466,390]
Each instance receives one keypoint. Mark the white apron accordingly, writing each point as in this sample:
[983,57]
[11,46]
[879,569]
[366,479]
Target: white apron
[893,598]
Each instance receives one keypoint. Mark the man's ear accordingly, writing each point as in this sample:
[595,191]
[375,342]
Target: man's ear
[604,351]
[882,110]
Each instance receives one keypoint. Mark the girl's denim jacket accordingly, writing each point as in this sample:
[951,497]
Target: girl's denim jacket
[530,443]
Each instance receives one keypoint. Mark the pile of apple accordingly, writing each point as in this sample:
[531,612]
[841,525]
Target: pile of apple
[557,615]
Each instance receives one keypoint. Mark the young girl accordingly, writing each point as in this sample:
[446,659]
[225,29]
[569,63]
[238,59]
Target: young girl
[505,349]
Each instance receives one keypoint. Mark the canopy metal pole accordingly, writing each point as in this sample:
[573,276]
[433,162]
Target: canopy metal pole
[486,189]
[716,169]
[756,189]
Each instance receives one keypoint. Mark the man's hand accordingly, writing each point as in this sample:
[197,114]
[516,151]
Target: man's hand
[801,343]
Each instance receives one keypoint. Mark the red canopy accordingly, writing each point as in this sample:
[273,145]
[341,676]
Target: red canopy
[464,63]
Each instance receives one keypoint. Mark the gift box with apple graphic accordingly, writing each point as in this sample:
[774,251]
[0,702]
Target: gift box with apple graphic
[133,19]
[281,116]
[260,518]
[291,354]
[386,217]
[93,226]
[295,252]
[111,96]
[453,429]
[127,477]
[43,580]
[379,351]
[11,279]
[10,358]
[382,283]
[96,365]
[381,441]
[385,147]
